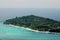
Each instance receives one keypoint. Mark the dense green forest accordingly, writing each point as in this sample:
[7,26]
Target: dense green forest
[34,22]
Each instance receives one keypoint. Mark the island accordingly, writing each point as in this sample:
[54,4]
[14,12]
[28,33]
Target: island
[35,23]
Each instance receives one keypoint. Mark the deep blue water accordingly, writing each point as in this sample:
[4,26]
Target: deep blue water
[8,32]
[52,13]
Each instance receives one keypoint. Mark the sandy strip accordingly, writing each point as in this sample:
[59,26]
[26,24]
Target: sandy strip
[32,29]
[25,28]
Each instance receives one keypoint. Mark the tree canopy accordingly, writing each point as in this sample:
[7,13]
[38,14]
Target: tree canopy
[34,22]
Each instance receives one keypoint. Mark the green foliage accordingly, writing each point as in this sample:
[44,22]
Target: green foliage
[34,22]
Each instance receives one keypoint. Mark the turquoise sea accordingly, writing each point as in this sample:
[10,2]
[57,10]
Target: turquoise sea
[8,32]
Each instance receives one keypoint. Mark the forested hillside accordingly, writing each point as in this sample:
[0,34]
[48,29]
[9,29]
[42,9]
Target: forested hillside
[34,22]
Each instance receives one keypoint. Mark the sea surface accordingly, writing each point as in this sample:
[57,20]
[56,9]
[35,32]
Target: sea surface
[8,32]
[51,13]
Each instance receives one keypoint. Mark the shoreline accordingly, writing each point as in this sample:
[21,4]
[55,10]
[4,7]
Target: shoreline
[34,30]
[29,29]
[25,28]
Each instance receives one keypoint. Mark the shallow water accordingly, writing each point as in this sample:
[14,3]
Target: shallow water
[8,32]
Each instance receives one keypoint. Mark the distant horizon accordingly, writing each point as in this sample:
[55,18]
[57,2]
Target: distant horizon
[43,8]
[6,13]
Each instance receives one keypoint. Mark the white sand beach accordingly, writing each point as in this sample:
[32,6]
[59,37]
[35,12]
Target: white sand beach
[30,29]
[25,28]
